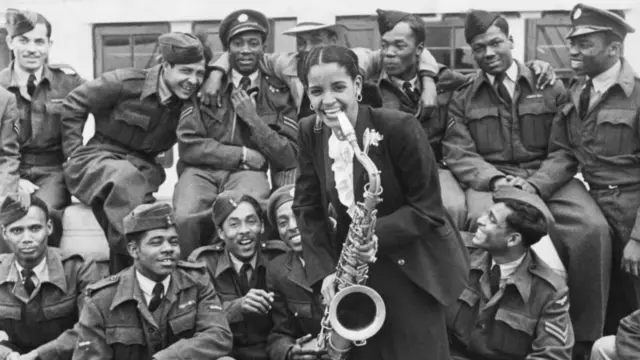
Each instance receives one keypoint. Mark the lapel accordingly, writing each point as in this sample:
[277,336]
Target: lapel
[327,181]
[297,274]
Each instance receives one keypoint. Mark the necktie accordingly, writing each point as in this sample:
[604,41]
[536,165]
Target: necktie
[585,99]
[411,93]
[173,102]
[158,292]
[243,278]
[31,85]
[501,89]
[494,279]
[27,280]
[245,82]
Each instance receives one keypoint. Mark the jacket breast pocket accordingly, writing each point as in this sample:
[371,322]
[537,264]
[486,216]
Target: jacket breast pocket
[535,124]
[616,132]
[54,107]
[183,326]
[303,313]
[213,122]
[12,312]
[66,307]
[461,316]
[126,342]
[486,129]
[512,332]
[133,118]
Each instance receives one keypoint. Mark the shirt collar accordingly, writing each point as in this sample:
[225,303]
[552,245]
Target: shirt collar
[511,73]
[506,270]
[40,270]
[606,79]
[164,93]
[21,76]
[400,83]
[147,285]
[237,263]
[151,81]
[236,77]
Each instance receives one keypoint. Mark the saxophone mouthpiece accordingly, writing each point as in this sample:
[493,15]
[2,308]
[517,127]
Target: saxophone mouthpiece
[345,125]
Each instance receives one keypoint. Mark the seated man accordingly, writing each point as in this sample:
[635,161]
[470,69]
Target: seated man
[231,145]
[9,145]
[39,88]
[237,266]
[41,288]
[159,308]
[514,306]
[625,345]
[297,311]
[498,134]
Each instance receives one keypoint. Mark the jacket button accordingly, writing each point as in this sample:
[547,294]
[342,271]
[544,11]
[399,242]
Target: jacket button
[296,314]
[533,267]
[401,262]
[480,326]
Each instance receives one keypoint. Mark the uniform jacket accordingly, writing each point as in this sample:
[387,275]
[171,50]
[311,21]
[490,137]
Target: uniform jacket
[44,320]
[297,310]
[213,137]
[628,337]
[528,318]
[127,112]
[433,121]
[284,66]
[414,230]
[249,332]
[9,143]
[43,111]
[606,144]
[486,138]
[115,322]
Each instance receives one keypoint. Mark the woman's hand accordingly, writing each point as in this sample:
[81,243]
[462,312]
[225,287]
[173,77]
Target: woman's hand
[328,290]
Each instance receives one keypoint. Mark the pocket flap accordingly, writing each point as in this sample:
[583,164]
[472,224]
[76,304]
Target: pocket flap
[516,321]
[482,112]
[10,312]
[63,308]
[534,107]
[125,335]
[54,106]
[269,118]
[184,322]
[133,118]
[470,297]
[300,310]
[617,116]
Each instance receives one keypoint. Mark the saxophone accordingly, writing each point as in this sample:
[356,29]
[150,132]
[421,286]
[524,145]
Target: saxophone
[356,312]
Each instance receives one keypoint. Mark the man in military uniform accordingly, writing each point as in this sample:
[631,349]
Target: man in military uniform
[39,88]
[159,308]
[297,311]
[237,267]
[136,114]
[599,130]
[311,34]
[252,128]
[41,288]
[498,135]
[624,345]
[514,306]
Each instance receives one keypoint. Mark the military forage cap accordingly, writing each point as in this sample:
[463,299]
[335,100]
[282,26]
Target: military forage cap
[148,217]
[180,48]
[478,22]
[388,19]
[513,193]
[14,207]
[20,21]
[226,202]
[282,195]
[241,21]
[587,19]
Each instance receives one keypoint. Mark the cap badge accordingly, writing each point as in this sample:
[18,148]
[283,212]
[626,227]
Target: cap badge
[233,202]
[169,220]
[292,192]
[577,13]
[243,17]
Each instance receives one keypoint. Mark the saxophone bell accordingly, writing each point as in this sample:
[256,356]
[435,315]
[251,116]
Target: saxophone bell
[357,313]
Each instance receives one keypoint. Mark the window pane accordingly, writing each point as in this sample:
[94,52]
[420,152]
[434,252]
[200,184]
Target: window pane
[145,50]
[443,56]
[438,36]
[116,52]
[5,53]
[551,46]
[463,59]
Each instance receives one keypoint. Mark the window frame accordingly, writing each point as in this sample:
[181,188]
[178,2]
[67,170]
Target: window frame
[547,19]
[453,22]
[131,29]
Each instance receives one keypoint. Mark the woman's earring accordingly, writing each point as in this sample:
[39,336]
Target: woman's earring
[311,107]
[359,97]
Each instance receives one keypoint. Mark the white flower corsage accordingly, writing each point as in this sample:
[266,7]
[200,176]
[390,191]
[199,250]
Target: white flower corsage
[370,138]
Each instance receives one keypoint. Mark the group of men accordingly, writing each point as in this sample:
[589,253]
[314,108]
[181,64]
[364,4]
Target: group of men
[507,145]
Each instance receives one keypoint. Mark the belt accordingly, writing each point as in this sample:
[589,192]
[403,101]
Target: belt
[42,159]
[611,187]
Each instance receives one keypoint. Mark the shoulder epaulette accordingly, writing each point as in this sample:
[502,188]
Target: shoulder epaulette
[547,274]
[130,74]
[215,248]
[4,257]
[67,69]
[65,255]
[103,283]
[191,265]
[277,245]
